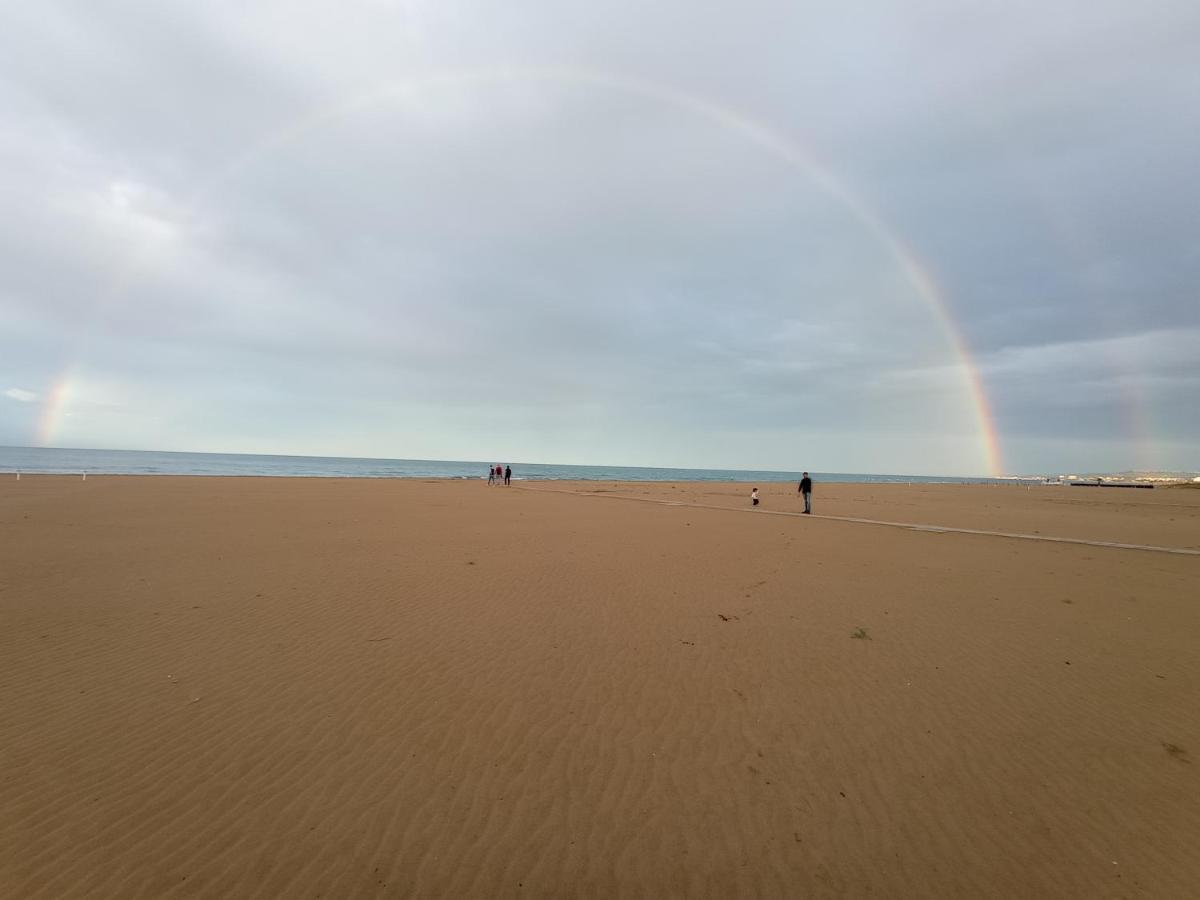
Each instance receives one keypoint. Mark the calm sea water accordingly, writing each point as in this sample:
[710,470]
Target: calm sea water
[143,462]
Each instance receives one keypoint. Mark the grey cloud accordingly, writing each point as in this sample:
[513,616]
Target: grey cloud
[570,268]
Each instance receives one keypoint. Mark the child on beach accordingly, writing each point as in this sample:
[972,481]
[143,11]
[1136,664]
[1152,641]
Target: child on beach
[754,497]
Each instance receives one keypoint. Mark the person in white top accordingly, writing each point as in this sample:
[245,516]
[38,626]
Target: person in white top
[754,497]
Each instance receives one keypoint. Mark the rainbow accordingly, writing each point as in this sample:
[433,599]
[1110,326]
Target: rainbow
[1133,403]
[771,141]
[55,408]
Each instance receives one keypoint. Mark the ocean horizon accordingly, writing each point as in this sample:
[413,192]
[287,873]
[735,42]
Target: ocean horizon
[69,461]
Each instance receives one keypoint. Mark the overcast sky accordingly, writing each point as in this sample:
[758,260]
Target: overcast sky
[617,233]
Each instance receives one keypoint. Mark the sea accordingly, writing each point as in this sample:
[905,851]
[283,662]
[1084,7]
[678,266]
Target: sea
[61,461]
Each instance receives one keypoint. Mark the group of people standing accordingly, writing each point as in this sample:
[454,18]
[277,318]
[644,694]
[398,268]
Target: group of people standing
[499,474]
[805,492]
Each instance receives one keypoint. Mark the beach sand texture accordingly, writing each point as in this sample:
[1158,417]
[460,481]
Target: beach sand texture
[227,687]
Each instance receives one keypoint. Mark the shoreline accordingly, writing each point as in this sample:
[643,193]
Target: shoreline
[130,462]
[867,479]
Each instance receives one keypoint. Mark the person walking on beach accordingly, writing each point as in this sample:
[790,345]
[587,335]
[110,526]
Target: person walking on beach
[754,497]
[806,491]
[507,475]
[491,475]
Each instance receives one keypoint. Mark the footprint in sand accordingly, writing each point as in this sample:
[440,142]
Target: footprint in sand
[1176,751]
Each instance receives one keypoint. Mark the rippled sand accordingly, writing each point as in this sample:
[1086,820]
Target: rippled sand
[343,688]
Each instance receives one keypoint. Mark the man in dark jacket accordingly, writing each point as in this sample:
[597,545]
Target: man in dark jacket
[806,490]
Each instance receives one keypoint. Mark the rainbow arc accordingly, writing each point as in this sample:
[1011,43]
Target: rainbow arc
[771,141]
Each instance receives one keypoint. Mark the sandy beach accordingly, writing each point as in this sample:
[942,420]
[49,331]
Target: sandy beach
[255,687]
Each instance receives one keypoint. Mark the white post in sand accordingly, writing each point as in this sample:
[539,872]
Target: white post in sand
[84,476]
[18,476]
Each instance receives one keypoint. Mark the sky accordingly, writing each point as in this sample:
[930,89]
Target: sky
[916,237]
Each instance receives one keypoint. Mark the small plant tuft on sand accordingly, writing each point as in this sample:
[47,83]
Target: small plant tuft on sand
[860,634]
